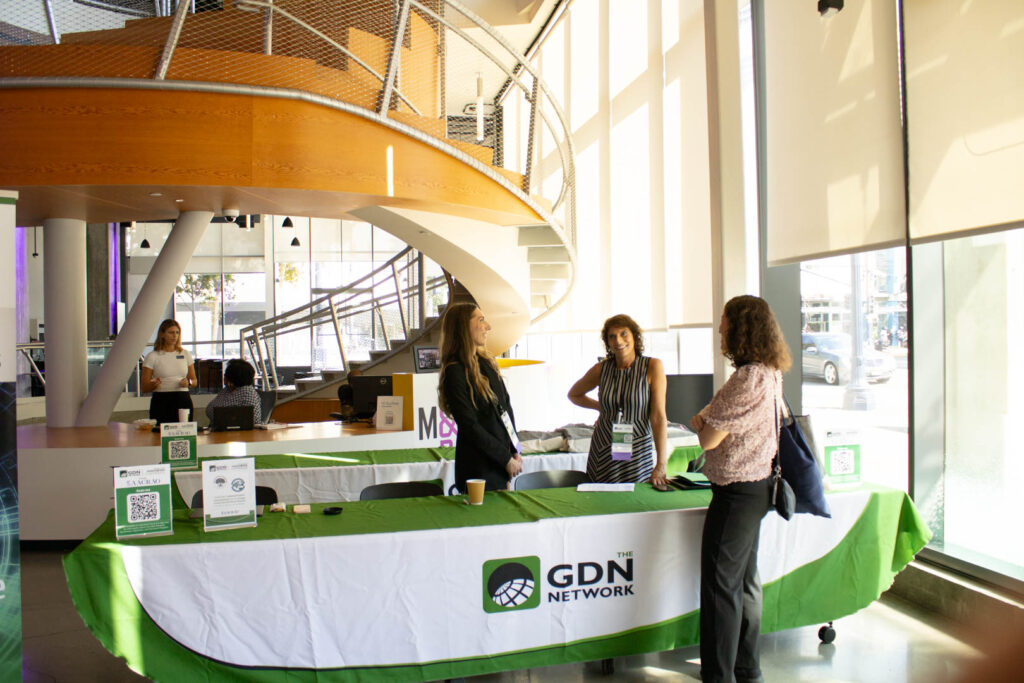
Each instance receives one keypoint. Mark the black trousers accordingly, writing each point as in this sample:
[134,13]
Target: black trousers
[730,588]
[163,406]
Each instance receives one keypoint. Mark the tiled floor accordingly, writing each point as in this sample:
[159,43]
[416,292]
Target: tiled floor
[886,642]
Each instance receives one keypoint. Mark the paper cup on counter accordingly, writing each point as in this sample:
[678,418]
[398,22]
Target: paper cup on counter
[183,414]
[476,491]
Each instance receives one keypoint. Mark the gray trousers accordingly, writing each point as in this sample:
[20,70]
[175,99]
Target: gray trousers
[730,588]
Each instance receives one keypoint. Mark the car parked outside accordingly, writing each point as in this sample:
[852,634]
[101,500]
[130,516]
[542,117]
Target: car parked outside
[826,355]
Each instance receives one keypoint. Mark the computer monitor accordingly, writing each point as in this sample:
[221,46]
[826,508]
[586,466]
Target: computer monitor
[231,418]
[365,391]
[685,395]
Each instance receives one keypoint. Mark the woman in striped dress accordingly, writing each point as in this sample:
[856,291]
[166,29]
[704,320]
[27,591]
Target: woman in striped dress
[631,425]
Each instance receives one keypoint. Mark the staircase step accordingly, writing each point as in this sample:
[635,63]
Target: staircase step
[543,286]
[549,271]
[538,236]
[378,354]
[396,343]
[540,300]
[357,364]
[333,374]
[307,382]
[547,255]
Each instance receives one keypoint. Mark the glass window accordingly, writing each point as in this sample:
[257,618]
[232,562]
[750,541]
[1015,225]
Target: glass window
[969,397]
[854,358]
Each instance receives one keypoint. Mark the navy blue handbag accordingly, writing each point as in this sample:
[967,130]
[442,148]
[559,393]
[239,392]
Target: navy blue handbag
[800,469]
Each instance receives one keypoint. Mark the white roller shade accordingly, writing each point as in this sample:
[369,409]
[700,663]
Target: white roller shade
[965,104]
[834,142]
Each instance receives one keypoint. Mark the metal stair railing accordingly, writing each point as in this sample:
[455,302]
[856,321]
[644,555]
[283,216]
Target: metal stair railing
[311,45]
[359,297]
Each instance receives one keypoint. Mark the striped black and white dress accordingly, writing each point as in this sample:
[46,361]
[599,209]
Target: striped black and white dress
[629,390]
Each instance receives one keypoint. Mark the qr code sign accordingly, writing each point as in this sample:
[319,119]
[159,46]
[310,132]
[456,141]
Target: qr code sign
[842,462]
[177,450]
[389,419]
[143,507]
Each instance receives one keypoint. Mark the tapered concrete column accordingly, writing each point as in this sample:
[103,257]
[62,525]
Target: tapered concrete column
[143,317]
[67,378]
[730,251]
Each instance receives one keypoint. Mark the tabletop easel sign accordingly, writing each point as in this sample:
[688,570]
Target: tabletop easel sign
[389,413]
[142,501]
[178,445]
[842,457]
[229,493]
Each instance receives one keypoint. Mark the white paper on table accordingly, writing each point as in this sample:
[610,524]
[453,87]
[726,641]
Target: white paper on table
[605,487]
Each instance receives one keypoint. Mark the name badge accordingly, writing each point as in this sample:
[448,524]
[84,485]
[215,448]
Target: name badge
[622,441]
[507,421]
[180,357]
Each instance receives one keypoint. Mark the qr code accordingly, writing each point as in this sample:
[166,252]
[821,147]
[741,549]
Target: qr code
[842,461]
[143,507]
[389,419]
[178,450]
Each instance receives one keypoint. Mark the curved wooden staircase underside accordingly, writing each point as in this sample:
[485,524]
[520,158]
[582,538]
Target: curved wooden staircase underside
[297,134]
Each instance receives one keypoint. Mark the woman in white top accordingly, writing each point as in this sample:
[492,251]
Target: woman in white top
[168,372]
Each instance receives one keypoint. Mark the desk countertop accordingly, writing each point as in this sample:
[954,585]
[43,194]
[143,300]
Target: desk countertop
[121,435]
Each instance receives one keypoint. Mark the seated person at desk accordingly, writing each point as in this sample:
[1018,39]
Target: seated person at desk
[238,389]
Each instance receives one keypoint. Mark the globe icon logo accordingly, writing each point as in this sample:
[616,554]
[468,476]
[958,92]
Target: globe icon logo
[237,484]
[511,584]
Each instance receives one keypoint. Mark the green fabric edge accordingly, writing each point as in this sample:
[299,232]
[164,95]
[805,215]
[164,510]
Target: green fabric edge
[886,536]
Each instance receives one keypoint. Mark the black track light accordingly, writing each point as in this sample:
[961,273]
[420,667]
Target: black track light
[827,8]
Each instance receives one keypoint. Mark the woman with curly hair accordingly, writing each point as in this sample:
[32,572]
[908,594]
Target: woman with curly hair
[631,406]
[471,391]
[737,431]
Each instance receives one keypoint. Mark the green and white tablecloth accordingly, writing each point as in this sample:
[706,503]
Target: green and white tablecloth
[332,477]
[432,588]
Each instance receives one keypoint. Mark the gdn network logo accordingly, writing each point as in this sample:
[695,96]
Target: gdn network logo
[511,584]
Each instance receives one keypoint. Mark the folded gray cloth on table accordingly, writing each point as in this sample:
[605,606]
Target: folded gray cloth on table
[577,437]
[540,442]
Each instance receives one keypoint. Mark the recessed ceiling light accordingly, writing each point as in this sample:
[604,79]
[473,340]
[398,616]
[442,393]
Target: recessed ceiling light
[179,200]
[156,194]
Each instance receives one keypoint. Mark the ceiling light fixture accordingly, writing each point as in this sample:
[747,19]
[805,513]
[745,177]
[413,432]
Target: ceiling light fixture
[35,242]
[287,222]
[295,242]
[828,8]
[144,244]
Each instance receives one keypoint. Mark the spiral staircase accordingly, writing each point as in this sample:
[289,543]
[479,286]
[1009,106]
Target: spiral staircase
[288,107]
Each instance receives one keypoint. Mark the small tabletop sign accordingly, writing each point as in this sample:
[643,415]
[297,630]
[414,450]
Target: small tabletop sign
[229,493]
[842,457]
[142,501]
[389,413]
[178,445]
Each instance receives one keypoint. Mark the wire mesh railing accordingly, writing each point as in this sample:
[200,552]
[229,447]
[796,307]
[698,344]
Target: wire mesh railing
[422,66]
[378,312]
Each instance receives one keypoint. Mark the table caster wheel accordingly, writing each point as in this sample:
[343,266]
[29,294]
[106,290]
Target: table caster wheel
[607,667]
[826,633]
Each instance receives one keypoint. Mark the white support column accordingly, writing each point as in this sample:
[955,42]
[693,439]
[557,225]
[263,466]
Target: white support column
[143,317]
[729,246]
[64,283]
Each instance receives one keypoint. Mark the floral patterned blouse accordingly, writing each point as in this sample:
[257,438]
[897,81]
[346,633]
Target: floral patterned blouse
[744,407]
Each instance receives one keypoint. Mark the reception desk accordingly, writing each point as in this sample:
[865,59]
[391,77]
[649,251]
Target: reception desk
[432,588]
[64,479]
[66,489]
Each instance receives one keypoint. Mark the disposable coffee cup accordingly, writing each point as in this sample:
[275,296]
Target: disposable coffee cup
[182,414]
[476,491]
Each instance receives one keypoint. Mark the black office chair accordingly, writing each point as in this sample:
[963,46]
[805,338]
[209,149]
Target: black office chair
[265,495]
[268,399]
[401,489]
[550,479]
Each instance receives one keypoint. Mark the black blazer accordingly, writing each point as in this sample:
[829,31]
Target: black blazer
[482,447]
